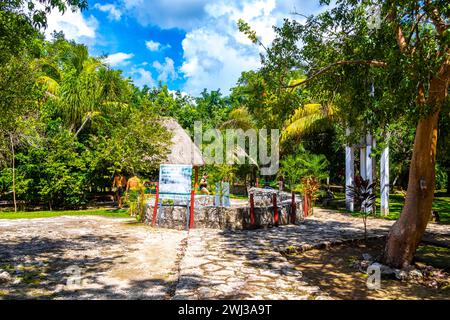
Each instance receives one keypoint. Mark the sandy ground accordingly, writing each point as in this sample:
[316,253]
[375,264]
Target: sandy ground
[87,257]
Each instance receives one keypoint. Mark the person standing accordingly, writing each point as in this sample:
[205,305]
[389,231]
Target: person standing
[119,184]
[135,197]
[204,184]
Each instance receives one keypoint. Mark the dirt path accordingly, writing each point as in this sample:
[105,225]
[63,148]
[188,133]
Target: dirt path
[102,258]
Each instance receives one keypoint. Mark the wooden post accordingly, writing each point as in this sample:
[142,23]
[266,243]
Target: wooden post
[275,209]
[252,210]
[195,179]
[305,206]
[191,212]
[293,209]
[155,208]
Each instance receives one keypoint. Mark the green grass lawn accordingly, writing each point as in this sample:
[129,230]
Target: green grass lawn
[396,201]
[238,197]
[111,213]
[441,203]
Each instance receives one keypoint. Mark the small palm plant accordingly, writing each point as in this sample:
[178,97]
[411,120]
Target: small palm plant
[311,189]
[305,170]
[363,195]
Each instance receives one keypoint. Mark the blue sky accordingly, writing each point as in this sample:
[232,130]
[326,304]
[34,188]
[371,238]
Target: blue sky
[187,44]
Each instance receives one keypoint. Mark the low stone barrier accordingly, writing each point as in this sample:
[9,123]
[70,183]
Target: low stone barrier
[234,218]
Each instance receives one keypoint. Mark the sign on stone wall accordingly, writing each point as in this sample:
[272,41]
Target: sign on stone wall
[175,181]
[222,194]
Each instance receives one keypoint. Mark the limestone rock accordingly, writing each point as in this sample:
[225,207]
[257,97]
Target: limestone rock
[5,277]
[401,274]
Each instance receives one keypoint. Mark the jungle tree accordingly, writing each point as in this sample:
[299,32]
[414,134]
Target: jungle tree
[396,69]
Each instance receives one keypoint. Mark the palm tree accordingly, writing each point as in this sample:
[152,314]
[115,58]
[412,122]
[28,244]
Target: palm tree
[239,118]
[307,170]
[308,119]
[82,87]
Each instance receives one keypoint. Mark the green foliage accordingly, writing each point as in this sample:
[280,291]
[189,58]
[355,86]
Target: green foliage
[244,27]
[269,106]
[72,123]
[441,178]
[36,14]
[303,164]
[49,214]
[345,59]
[308,119]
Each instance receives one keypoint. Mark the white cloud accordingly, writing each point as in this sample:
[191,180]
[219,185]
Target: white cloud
[142,77]
[215,53]
[119,59]
[152,45]
[165,70]
[212,61]
[114,14]
[74,25]
[190,14]
[182,14]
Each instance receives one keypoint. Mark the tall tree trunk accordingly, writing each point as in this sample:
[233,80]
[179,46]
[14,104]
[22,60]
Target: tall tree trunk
[13,173]
[407,232]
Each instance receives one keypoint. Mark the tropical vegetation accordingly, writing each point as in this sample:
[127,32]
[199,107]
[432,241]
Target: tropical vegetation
[69,121]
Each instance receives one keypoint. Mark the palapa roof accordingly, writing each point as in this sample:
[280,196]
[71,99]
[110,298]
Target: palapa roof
[183,149]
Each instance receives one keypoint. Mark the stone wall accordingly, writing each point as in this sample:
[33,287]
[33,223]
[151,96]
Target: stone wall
[235,218]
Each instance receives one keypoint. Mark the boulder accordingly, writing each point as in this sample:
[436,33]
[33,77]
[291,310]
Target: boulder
[401,274]
[4,277]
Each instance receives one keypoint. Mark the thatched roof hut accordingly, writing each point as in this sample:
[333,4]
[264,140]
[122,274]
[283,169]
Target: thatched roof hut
[183,149]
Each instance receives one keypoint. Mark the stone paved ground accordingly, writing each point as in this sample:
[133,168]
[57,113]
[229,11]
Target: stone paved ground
[249,265]
[118,259]
[122,260]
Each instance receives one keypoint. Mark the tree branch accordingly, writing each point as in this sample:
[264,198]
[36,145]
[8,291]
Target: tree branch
[375,63]
[435,16]
[415,27]
[399,35]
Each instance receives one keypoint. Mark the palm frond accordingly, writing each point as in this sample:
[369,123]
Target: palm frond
[308,119]
[50,85]
[239,118]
